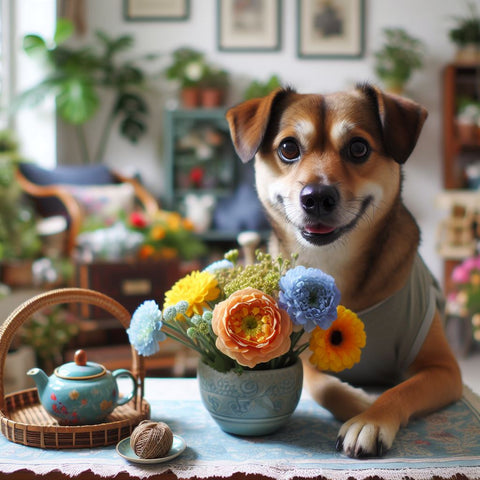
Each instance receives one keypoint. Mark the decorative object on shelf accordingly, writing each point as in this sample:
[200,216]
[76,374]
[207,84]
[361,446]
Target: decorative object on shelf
[145,10]
[258,88]
[201,83]
[456,235]
[77,77]
[399,57]
[249,26]
[48,332]
[23,419]
[198,210]
[334,29]
[247,318]
[466,36]
[151,439]
[81,392]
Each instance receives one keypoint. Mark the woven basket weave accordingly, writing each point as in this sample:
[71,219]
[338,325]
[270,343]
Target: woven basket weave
[22,417]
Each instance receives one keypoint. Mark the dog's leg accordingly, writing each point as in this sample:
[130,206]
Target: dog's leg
[340,398]
[435,382]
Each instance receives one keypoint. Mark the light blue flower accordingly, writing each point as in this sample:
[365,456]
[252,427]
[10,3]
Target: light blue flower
[145,332]
[218,265]
[310,297]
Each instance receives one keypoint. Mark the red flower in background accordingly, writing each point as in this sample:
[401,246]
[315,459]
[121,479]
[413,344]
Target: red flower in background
[138,220]
[196,176]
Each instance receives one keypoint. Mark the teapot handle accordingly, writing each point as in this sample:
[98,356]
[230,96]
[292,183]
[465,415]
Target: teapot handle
[122,372]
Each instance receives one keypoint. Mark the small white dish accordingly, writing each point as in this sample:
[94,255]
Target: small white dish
[125,450]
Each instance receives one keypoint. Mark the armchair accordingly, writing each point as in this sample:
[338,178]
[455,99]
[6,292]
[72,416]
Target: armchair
[62,191]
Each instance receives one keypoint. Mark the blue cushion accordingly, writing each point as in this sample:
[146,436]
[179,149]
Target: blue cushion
[68,174]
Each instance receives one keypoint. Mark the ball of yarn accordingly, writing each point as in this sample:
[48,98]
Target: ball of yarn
[151,439]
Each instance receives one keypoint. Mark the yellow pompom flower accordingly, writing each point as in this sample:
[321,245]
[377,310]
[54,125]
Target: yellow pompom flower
[197,289]
[338,347]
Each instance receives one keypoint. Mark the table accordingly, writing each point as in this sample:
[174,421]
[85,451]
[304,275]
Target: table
[445,443]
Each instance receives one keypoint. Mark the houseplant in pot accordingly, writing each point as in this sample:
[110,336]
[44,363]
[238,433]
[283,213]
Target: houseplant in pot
[399,57]
[214,84]
[466,36]
[19,241]
[79,78]
[187,69]
[247,324]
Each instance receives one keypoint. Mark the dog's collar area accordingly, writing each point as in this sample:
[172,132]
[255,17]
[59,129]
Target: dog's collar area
[320,234]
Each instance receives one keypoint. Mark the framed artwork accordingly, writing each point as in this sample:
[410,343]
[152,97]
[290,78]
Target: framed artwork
[248,25]
[330,28]
[156,10]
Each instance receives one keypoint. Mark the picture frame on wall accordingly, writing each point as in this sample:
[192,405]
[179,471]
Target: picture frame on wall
[156,10]
[248,25]
[330,28]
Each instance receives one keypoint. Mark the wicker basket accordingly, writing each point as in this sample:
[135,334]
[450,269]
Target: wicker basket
[22,417]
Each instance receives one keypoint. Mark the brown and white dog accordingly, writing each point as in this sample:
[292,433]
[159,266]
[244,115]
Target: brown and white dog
[329,174]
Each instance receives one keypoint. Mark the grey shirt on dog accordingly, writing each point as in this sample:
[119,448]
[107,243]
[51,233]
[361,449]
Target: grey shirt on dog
[396,329]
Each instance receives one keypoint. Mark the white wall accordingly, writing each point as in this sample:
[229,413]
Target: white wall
[427,19]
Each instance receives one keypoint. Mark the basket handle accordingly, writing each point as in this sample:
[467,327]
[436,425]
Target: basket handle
[59,296]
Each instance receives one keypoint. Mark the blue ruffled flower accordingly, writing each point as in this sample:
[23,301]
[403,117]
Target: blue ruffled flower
[310,297]
[218,265]
[145,332]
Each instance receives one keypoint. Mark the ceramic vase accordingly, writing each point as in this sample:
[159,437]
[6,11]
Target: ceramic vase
[256,402]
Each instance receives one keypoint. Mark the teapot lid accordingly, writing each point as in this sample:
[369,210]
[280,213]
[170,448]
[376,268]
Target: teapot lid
[80,369]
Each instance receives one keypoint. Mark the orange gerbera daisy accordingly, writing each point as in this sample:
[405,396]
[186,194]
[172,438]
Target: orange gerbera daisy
[338,347]
[251,328]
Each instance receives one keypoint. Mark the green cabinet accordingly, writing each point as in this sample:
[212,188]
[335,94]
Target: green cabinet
[200,159]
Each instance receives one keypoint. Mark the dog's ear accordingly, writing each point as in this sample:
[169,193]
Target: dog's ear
[248,123]
[401,121]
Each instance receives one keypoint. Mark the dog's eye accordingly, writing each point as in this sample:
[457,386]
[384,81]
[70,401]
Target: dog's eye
[288,150]
[358,150]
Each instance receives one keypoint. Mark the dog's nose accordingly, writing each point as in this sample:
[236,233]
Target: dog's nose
[318,199]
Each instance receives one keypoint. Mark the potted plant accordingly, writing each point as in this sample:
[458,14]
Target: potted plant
[467,120]
[398,58]
[187,69]
[466,36]
[258,89]
[19,240]
[76,77]
[213,86]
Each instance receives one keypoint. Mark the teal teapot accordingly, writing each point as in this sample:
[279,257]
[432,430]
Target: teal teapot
[81,392]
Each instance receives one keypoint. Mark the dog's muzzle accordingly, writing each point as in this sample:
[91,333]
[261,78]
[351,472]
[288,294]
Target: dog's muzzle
[320,203]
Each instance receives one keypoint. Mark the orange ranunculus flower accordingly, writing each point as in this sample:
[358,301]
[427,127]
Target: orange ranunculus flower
[251,328]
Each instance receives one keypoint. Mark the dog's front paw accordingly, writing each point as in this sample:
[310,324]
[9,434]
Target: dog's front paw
[363,437]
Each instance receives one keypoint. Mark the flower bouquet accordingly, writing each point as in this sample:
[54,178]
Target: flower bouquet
[244,317]
[245,320]
[465,300]
[166,235]
[248,324]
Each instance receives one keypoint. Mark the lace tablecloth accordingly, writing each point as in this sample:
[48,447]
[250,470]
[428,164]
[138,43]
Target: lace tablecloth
[443,444]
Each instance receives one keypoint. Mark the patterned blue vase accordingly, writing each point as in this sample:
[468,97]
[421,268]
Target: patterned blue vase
[257,402]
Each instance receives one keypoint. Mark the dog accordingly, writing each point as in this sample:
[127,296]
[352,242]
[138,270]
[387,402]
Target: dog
[329,174]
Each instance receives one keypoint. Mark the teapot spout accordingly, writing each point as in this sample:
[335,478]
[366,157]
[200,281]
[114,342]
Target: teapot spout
[40,378]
